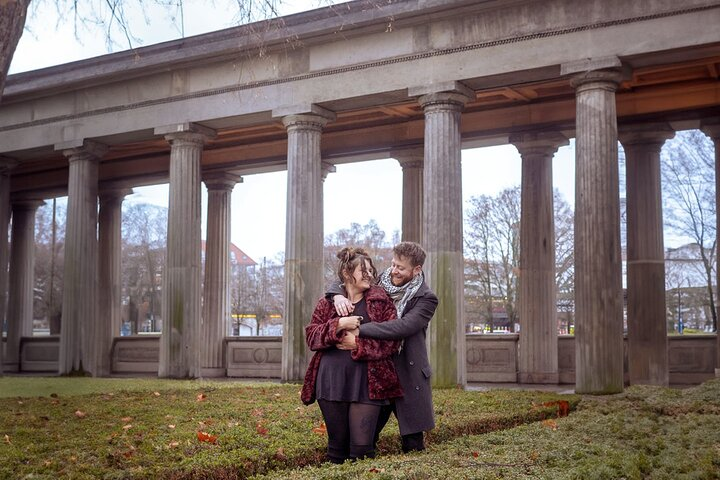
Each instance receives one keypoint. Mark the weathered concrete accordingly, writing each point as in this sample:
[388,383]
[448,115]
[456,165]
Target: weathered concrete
[411,160]
[180,341]
[110,275]
[80,274]
[443,228]
[646,315]
[303,232]
[6,165]
[538,311]
[598,282]
[711,128]
[216,282]
[22,279]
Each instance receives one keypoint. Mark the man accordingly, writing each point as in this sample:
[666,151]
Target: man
[415,304]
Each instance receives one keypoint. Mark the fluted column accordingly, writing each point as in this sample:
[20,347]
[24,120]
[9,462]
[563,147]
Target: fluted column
[646,322]
[598,271]
[303,232]
[181,310]
[216,285]
[22,279]
[712,130]
[6,165]
[538,347]
[411,161]
[443,227]
[80,274]
[110,275]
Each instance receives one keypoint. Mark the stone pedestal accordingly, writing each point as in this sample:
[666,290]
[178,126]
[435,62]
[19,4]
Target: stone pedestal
[711,128]
[6,165]
[304,233]
[598,271]
[443,228]
[216,285]
[180,342]
[22,279]
[646,315]
[411,161]
[538,347]
[80,273]
[110,275]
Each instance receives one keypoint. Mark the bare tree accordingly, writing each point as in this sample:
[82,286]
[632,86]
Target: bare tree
[688,172]
[49,243]
[258,292]
[492,247]
[144,233]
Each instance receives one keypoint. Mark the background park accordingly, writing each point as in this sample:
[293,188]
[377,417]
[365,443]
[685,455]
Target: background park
[150,428]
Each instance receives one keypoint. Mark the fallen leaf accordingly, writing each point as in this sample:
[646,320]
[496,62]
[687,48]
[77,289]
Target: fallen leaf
[277,395]
[321,430]
[80,414]
[47,463]
[260,429]
[280,454]
[206,437]
[173,444]
[376,470]
[201,397]
[157,394]
[126,419]
[172,427]
[257,412]
[7,439]
[563,407]
[475,454]
[20,402]
[127,427]
[550,424]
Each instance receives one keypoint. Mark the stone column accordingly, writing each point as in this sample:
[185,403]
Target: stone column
[180,341]
[443,227]
[6,165]
[216,286]
[110,275]
[80,274]
[303,232]
[598,271]
[538,355]
[646,315]
[22,279]
[326,168]
[712,130]
[411,161]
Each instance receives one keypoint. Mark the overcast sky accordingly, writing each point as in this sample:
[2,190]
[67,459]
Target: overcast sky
[355,193]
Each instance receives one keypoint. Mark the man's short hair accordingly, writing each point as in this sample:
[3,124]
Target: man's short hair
[411,251]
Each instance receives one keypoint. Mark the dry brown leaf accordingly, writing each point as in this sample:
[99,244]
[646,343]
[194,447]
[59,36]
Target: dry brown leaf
[172,427]
[261,430]
[80,414]
[201,397]
[126,419]
[206,437]
[127,427]
[157,394]
[7,439]
[321,430]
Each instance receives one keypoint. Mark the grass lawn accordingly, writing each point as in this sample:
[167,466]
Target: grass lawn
[146,428]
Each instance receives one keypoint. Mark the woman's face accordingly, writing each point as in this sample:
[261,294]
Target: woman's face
[363,280]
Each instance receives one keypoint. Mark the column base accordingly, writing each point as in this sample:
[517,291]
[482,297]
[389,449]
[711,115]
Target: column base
[717,373]
[213,372]
[550,378]
[11,368]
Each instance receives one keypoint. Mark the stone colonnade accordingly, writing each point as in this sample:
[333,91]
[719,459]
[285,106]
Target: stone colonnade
[192,343]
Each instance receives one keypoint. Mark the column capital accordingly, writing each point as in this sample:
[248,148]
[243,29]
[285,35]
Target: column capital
[711,128]
[538,143]
[413,157]
[220,180]
[590,73]
[307,116]
[187,131]
[327,168]
[113,193]
[453,95]
[26,204]
[645,134]
[82,149]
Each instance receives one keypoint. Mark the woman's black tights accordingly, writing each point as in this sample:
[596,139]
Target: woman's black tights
[350,428]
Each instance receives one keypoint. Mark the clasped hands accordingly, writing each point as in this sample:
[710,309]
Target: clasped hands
[348,324]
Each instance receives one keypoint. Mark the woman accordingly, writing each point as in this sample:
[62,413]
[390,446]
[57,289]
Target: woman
[351,386]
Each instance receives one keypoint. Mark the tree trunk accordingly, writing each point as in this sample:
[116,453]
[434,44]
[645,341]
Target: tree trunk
[12,22]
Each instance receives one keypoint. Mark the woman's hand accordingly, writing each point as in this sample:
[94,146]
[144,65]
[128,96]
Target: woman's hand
[349,323]
[343,306]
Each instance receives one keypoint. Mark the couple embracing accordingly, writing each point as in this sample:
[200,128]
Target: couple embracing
[370,358]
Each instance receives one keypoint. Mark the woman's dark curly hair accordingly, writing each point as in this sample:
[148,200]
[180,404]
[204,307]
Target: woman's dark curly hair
[350,258]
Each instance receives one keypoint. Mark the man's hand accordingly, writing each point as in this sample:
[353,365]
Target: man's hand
[343,306]
[348,323]
[348,342]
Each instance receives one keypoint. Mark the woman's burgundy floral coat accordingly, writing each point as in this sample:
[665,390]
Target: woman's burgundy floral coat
[320,335]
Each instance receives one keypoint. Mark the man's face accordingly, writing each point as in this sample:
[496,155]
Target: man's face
[402,271]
